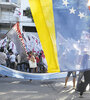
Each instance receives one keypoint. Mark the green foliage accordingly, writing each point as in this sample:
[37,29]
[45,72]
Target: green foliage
[28,12]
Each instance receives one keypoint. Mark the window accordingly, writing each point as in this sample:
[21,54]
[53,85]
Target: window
[27,13]
[29,29]
[5,0]
[14,1]
[24,13]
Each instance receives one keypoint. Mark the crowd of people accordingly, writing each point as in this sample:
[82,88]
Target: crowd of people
[33,63]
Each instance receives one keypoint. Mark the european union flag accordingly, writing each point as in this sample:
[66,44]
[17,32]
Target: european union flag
[72,28]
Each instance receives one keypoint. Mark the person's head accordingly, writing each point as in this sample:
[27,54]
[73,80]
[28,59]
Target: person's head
[85,51]
[32,54]
[2,49]
[36,54]
[8,48]
[11,52]
[16,54]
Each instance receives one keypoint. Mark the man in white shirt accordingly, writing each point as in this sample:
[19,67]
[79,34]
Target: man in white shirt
[18,57]
[12,60]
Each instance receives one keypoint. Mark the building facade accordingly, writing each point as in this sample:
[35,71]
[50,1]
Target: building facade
[7,20]
[26,21]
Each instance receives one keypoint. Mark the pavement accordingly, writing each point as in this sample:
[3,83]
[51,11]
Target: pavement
[20,89]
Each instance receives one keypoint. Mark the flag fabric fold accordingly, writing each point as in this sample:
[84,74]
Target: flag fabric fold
[72,28]
[16,37]
[34,76]
[43,17]
[63,27]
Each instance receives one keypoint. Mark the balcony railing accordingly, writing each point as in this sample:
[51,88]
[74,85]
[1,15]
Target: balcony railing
[7,18]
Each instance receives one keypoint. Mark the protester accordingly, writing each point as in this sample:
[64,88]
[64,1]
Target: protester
[85,59]
[41,63]
[8,58]
[84,84]
[37,60]
[84,64]
[74,78]
[81,73]
[3,57]
[33,63]
[24,61]
[29,56]
[12,60]
[18,58]
[44,63]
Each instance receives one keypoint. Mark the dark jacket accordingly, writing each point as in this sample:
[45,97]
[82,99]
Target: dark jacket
[87,76]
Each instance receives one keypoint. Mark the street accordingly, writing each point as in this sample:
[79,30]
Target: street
[20,89]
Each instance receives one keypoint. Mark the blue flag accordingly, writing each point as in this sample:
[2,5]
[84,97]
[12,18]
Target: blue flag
[72,28]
